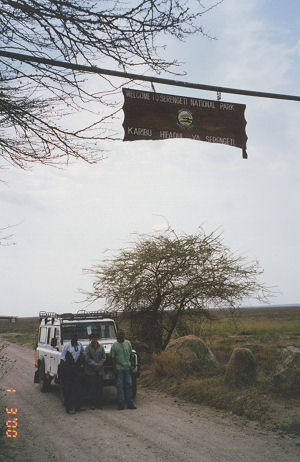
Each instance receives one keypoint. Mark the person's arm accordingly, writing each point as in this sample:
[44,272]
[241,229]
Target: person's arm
[132,365]
[103,356]
[81,358]
[64,352]
[87,356]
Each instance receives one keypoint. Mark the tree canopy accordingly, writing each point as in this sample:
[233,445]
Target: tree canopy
[37,101]
[163,276]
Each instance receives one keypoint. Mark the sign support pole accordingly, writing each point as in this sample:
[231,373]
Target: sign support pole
[129,75]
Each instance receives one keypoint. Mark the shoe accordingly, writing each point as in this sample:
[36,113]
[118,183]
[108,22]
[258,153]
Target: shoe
[121,407]
[131,406]
[99,407]
[92,408]
[71,411]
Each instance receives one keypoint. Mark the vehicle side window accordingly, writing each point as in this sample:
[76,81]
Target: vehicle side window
[48,335]
[56,334]
[43,335]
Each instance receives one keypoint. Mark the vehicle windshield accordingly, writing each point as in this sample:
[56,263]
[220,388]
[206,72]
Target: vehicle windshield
[84,330]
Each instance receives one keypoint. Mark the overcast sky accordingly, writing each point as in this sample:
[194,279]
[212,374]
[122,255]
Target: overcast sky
[67,218]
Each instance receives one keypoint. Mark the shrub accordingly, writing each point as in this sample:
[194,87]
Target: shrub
[166,364]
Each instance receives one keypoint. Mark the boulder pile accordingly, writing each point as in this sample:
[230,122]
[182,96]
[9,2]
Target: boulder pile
[287,376]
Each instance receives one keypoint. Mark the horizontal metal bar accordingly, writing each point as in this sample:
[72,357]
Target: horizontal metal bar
[129,75]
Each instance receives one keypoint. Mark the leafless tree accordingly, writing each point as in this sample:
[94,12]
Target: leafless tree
[161,277]
[37,101]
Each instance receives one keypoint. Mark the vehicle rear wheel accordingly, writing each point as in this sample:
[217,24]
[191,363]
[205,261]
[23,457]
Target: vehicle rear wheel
[43,379]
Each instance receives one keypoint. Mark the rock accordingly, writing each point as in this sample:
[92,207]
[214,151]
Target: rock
[191,349]
[254,347]
[287,375]
[241,369]
[262,376]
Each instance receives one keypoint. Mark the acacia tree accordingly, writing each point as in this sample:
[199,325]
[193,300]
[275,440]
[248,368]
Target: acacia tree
[161,277]
[36,100]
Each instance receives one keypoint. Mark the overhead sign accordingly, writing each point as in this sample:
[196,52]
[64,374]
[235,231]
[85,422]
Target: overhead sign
[157,116]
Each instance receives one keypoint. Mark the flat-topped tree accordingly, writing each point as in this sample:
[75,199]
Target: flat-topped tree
[162,276]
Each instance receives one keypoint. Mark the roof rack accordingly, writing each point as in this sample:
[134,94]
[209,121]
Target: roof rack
[47,314]
[81,314]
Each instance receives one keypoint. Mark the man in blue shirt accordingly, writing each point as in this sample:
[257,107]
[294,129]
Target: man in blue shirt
[71,360]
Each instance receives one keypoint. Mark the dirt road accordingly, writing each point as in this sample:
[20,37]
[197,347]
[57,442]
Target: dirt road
[161,429]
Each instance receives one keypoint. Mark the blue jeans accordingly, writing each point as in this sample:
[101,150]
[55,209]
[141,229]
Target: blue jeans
[124,381]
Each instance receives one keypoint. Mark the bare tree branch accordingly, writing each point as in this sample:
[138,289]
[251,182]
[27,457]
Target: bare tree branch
[37,101]
[6,236]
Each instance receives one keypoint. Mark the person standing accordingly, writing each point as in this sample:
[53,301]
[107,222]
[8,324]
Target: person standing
[71,360]
[121,354]
[94,357]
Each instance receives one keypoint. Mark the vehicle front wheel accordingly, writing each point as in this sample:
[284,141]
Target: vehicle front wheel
[43,379]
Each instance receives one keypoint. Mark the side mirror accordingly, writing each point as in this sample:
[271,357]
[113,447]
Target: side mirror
[54,342]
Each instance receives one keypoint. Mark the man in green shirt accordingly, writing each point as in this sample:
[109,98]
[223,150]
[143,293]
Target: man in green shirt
[121,353]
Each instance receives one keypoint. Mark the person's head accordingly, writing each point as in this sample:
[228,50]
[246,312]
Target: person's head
[94,338]
[74,338]
[121,336]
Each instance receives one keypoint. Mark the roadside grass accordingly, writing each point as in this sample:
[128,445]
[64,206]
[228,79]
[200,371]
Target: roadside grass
[265,332]
[293,428]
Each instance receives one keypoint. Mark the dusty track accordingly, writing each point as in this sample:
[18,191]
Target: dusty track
[159,430]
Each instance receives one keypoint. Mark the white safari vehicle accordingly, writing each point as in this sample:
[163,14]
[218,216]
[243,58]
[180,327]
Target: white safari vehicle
[56,329]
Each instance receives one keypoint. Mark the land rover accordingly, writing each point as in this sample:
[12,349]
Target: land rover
[56,329]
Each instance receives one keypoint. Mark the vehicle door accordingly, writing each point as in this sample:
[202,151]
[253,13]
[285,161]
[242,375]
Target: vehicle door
[44,347]
[54,350]
[42,341]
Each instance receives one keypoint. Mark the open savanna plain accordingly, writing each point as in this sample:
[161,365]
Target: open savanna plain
[265,331]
